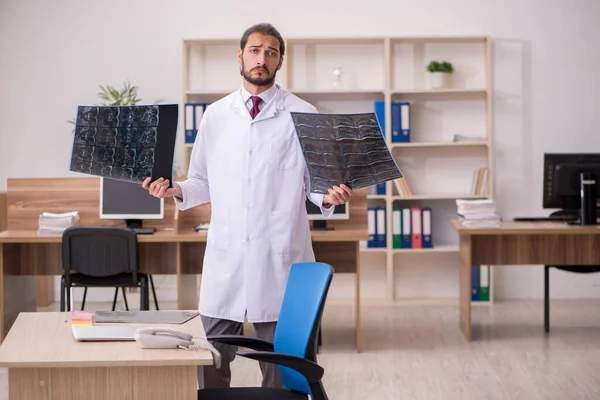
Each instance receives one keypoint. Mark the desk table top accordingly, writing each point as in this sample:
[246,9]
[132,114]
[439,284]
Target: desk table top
[45,339]
[527,228]
[171,236]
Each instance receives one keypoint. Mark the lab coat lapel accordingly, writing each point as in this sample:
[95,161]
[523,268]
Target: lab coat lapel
[238,107]
[270,109]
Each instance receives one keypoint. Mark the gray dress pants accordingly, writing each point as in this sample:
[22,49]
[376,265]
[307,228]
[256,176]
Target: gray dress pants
[221,378]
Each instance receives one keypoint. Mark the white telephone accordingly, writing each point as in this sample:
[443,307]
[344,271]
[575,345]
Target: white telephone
[161,337]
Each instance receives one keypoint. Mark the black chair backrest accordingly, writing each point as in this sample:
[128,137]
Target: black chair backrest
[100,251]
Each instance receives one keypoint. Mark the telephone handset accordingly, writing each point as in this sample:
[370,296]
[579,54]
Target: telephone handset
[161,337]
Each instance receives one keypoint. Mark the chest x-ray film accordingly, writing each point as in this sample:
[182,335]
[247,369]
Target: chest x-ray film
[128,143]
[344,148]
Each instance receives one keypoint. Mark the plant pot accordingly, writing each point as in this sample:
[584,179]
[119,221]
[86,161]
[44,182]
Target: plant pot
[439,80]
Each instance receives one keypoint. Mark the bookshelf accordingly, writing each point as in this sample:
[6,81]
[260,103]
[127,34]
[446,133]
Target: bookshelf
[438,168]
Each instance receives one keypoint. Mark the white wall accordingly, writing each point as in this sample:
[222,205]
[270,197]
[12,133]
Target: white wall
[54,54]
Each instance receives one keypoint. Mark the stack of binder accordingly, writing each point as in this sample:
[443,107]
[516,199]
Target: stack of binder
[411,228]
[192,114]
[400,120]
[376,225]
[480,283]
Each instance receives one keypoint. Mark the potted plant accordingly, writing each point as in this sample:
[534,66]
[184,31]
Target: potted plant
[439,74]
[126,96]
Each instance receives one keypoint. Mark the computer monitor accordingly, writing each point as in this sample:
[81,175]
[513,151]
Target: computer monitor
[563,180]
[128,201]
[341,211]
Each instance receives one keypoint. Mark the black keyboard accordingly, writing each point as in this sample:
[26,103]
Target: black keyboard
[144,231]
[566,218]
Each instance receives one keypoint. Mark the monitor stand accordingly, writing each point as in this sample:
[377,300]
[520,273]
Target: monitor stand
[133,223]
[588,211]
[320,225]
[136,226]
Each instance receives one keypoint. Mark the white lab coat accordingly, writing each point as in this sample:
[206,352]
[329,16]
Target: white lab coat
[254,175]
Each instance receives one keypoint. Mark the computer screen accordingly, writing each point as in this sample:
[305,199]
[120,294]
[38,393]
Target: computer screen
[341,211]
[562,180]
[128,201]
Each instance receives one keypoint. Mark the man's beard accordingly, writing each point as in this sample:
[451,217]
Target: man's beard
[258,81]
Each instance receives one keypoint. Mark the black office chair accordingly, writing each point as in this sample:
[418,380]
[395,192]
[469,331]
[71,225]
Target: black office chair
[578,269]
[101,256]
[114,304]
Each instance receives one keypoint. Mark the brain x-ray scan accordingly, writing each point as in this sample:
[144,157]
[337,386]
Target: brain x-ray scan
[127,143]
[344,148]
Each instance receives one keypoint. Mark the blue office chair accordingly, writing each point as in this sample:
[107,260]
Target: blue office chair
[294,347]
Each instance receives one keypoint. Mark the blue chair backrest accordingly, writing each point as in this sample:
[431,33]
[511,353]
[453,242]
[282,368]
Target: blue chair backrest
[297,327]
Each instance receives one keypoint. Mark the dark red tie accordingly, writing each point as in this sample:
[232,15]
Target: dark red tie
[255,110]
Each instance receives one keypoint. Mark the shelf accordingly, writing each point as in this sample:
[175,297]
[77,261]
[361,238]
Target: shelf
[337,92]
[438,170]
[336,41]
[435,249]
[441,196]
[439,91]
[440,144]
[217,41]
[373,249]
[207,94]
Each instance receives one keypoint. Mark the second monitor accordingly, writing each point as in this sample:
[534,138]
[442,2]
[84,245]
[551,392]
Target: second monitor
[570,184]
[341,211]
[129,201]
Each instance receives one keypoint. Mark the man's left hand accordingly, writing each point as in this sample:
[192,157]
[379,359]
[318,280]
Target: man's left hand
[337,195]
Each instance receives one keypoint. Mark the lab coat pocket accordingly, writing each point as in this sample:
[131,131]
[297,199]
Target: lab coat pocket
[283,152]
[282,232]
[218,232]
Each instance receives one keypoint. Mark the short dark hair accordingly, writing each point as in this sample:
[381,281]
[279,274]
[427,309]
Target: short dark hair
[265,29]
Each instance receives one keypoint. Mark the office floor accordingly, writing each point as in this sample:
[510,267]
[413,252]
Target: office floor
[417,352]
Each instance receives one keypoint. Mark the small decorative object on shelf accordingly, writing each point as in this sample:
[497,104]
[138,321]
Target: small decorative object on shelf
[439,74]
[337,78]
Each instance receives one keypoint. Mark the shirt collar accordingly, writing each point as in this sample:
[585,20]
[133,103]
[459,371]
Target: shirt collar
[266,96]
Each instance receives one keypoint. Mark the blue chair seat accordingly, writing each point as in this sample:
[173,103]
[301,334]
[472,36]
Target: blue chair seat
[242,393]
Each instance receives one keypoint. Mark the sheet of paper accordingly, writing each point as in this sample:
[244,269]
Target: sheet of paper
[145,317]
[344,148]
[127,143]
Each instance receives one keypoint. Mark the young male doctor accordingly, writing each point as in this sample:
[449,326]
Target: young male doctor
[247,162]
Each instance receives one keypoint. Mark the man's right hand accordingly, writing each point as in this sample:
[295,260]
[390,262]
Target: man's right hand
[160,188]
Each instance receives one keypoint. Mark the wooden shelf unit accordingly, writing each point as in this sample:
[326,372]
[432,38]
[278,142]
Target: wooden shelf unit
[438,169]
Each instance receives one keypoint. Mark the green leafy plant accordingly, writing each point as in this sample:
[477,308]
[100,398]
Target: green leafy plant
[126,96]
[440,66]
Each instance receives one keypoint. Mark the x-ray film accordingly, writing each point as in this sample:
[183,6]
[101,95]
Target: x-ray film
[128,143]
[344,148]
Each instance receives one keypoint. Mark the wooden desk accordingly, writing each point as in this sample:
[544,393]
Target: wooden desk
[521,243]
[174,249]
[45,362]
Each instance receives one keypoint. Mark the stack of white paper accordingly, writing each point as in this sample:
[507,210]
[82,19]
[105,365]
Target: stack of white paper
[478,213]
[52,223]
